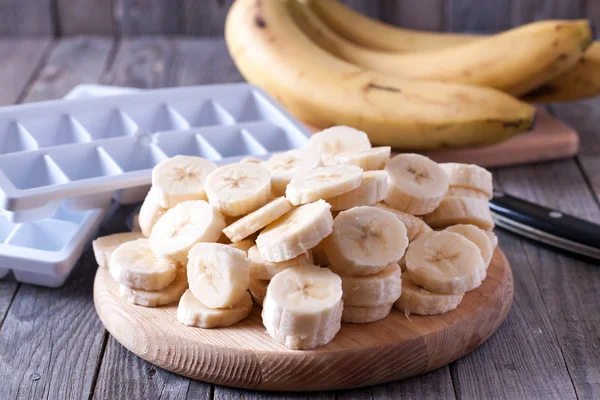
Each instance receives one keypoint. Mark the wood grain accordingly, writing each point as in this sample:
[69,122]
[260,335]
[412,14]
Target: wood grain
[147,17]
[423,15]
[360,355]
[26,18]
[206,18]
[76,17]
[477,16]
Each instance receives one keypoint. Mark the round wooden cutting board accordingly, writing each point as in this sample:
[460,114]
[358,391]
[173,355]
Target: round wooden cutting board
[244,355]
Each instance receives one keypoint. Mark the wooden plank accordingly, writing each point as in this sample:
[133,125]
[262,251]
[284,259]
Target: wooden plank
[423,15]
[592,11]
[20,60]
[84,17]
[51,340]
[524,11]
[146,17]
[74,60]
[370,8]
[206,18]
[477,16]
[8,287]
[26,18]
[566,284]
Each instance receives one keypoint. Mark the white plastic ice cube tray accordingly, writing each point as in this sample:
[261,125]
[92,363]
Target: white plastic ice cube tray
[85,149]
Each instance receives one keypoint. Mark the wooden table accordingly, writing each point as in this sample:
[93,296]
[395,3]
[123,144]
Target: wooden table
[52,344]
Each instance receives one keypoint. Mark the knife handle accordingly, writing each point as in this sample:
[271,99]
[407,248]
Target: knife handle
[545,220]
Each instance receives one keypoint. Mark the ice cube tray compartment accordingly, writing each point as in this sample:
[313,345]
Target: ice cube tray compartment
[82,147]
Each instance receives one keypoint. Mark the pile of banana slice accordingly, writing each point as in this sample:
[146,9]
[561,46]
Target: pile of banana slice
[334,232]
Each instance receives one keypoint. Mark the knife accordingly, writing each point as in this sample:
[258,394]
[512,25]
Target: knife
[546,225]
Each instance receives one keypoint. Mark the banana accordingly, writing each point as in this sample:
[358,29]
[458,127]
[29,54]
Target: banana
[151,211]
[374,290]
[323,90]
[460,210]
[493,239]
[105,245]
[258,290]
[251,160]
[461,191]
[296,232]
[445,262]
[192,312]
[303,307]
[413,224]
[156,298]
[417,300]
[469,176]
[365,240]
[265,270]
[133,264]
[238,189]
[181,178]
[284,166]
[183,226]
[319,255]
[372,189]
[135,225]
[217,274]
[323,183]
[478,237]
[422,230]
[368,160]
[416,184]
[365,315]
[257,220]
[243,245]
[552,48]
[337,140]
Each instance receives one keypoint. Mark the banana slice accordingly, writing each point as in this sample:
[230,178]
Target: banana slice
[413,224]
[257,220]
[461,210]
[368,160]
[261,269]
[445,262]
[323,183]
[183,226]
[365,240]
[217,274]
[372,189]
[296,232]
[462,191]
[336,140]
[105,245]
[133,264]
[422,230]
[251,160]
[493,239]
[151,211]
[285,166]
[192,312]
[402,263]
[319,255]
[303,307]
[181,178]
[478,237]
[417,300]
[156,298]
[258,290]
[365,315]
[243,245]
[470,176]
[416,184]
[374,290]
[238,189]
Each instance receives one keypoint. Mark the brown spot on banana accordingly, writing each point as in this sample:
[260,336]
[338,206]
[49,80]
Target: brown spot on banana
[259,19]
[517,123]
[563,57]
[375,86]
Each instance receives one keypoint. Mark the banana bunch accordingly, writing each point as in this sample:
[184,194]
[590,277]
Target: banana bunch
[579,81]
[335,232]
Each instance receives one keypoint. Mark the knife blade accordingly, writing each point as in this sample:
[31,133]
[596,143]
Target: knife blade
[546,225]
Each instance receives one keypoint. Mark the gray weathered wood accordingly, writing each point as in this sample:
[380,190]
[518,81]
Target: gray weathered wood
[477,16]
[205,18]
[20,59]
[147,17]
[524,11]
[26,18]
[566,285]
[422,15]
[8,287]
[51,339]
[76,17]
[74,60]
[370,8]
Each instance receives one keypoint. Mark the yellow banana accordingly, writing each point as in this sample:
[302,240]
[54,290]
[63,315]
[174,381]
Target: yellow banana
[272,52]
[581,81]
[516,61]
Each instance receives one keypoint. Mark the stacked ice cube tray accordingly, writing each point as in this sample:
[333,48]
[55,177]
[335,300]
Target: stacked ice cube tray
[62,162]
